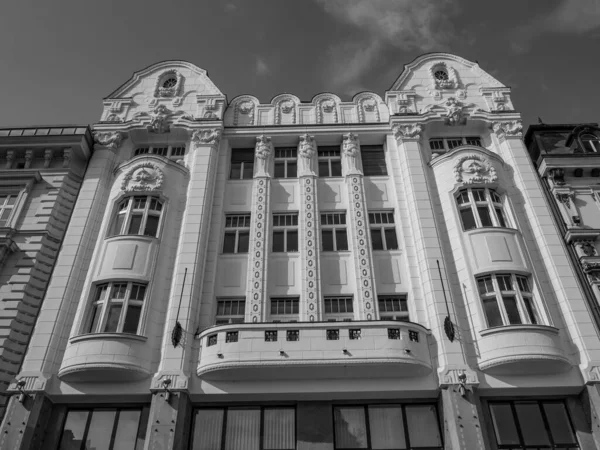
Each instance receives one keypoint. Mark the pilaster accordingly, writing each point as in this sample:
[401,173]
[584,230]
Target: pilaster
[259,238]
[463,419]
[25,422]
[310,305]
[169,423]
[358,221]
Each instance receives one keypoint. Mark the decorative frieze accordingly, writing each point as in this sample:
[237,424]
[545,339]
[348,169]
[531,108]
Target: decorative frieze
[471,169]
[48,155]
[309,239]
[210,136]
[407,132]
[512,128]
[110,139]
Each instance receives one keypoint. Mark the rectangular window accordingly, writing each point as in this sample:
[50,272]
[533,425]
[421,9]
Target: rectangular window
[330,161]
[441,145]
[388,426]
[383,230]
[7,206]
[242,164]
[479,208]
[453,143]
[245,428]
[338,309]
[333,232]
[165,150]
[373,160]
[285,309]
[285,232]
[286,164]
[137,215]
[473,140]
[237,233]
[107,429]
[507,300]
[116,308]
[230,310]
[436,144]
[532,424]
[393,307]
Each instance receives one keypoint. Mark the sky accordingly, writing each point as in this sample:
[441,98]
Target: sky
[59,58]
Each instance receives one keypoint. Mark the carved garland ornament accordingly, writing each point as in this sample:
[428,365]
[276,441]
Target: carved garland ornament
[327,105]
[143,177]
[368,104]
[211,136]
[511,128]
[110,139]
[407,132]
[285,106]
[471,169]
[245,107]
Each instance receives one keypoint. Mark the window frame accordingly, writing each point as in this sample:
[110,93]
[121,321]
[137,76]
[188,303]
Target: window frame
[172,150]
[338,316]
[277,227]
[130,211]
[285,317]
[236,231]
[495,208]
[230,318]
[382,227]
[287,162]
[528,308]
[446,146]
[334,228]
[331,155]
[400,315]
[13,208]
[242,164]
[365,151]
[99,307]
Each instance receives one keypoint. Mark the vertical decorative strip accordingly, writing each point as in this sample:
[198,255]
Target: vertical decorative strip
[358,223]
[261,193]
[309,231]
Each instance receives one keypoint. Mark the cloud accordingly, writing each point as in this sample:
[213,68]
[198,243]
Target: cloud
[230,7]
[261,67]
[568,17]
[382,25]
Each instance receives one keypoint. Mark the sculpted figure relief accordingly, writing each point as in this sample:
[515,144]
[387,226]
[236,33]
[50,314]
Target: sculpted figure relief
[306,150]
[454,114]
[263,151]
[351,149]
[474,169]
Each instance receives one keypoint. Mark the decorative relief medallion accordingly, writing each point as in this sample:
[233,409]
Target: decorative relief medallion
[110,139]
[285,107]
[407,132]
[512,128]
[471,169]
[367,104]
[454,112]
[210,136]
[143,177]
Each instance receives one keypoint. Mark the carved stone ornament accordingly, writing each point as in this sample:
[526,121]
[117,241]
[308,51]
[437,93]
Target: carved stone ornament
[245,107]
[143,177]
[511,128]
[264,147]
[158,120]
[110,139]
[557,176]
[589,267]
[287,106]
[163,89]
[564,198]
[307,147]
[211,136]
[351,145]
[454,112]
[441,81]
[472,169]
[587,248]
[10,158]
[402,132]
[328,106]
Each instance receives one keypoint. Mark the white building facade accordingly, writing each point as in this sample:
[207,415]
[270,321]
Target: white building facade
[383,273]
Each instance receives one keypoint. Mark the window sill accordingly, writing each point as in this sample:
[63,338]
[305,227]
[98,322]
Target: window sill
[130,236]
[105,336]
[522,327]
[482,229]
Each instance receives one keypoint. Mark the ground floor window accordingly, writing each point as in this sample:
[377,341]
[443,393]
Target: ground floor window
[104,428]
[531,424]
[389,426]
[244,428]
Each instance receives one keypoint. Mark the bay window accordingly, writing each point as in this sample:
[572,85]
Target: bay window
[507,300]
[117,308]
[480,207]
[138,215]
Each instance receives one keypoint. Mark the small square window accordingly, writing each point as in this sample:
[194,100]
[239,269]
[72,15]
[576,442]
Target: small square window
[394,333]
[271,336]
[212,340]
[413,336]
[231,336]
[332,335]
[292,335]
[354,333]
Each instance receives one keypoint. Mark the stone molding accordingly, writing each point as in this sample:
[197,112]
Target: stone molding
[177,381]
[451,375]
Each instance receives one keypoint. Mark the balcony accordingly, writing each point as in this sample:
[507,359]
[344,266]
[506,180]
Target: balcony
[522,350]
[264,351]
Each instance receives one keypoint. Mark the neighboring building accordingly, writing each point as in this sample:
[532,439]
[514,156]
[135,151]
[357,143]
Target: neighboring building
[41,169]
[568,161]
[376,273]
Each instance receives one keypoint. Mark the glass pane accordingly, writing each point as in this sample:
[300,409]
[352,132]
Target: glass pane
[97,310]
[336,168]
[323,168]
[484,216]
[118,225]
[248,170]
[292,241]
[112,322]
[73,431]
[243,429]
[208,429]
[132,319]
[468,221]
[350,427]
[504,425]
[279,429]
[10,200]
[390,239]
[492,312]
[229,242]
[327,240]
[127,430]
[279,170]
[500,216]
[387,428]
[236,171]
[292,171]
[532,424]
[423,429]
[341,240]
[510,303]
[278,241]
[558,421]
[151,226]
[531,312]
[376,239]
[243,241]
[100,432]
[134,225]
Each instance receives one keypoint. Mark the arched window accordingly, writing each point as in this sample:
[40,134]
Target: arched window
[591,143]
[479,207]
[139,215]
[441,74]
